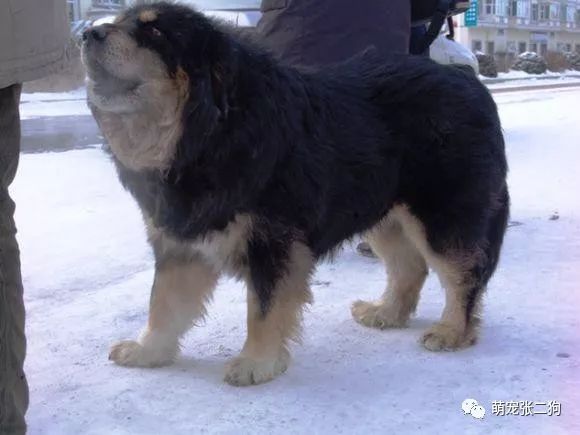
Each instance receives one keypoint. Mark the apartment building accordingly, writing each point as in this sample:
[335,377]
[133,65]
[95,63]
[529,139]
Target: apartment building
[515,26]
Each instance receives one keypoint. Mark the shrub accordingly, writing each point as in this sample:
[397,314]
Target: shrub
[573,60]
[530,62]
[487,65]
[557,61]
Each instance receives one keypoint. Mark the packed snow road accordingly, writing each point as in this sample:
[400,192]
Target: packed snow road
[87,273]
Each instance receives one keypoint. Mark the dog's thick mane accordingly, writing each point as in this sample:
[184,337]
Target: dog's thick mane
[237,126]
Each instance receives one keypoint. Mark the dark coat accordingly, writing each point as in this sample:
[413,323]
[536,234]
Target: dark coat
[319,32]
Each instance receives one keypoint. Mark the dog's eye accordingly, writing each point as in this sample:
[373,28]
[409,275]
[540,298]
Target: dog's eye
[155,32]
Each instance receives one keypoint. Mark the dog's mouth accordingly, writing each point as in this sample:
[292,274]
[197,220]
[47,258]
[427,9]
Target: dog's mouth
[106,84]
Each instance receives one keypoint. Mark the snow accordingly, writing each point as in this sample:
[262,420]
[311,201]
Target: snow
[76,94]
[516,75]
[517,79]
[516,84]
[42,104]
[87,272]
[513,74]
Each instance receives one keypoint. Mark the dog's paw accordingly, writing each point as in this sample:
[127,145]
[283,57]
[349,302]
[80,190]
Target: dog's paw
[133,354]
[442,336]
[244,370]
[376,316]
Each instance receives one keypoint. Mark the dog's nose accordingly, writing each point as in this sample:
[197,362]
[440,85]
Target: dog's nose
[98,33]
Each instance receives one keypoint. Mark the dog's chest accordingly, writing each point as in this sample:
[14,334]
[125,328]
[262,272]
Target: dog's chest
[224,250]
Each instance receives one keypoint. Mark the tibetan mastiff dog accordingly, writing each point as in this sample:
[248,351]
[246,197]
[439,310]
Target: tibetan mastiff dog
[243,165]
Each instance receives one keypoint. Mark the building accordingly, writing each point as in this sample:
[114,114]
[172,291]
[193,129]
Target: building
[87,9]
[77,9]
[511,27]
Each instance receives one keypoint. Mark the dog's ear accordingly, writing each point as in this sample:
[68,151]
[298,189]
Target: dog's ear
[209,60]
[222,60]
[220,79]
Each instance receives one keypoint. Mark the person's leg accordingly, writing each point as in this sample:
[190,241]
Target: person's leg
[13,386]
[417,35]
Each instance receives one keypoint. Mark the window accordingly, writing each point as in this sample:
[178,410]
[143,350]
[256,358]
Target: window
[500,32]
[543,48]
[513,8]
[544,11]
[523,8]
[476,45]
[535,12]
[108,2]
[489,47]
[488,7]
[522,47]
[570,14]
[534,47]
[578,48]
[568,47]
[563,13]
[511,46]
[72,7]
[554,12]
[497,7]
[501,8]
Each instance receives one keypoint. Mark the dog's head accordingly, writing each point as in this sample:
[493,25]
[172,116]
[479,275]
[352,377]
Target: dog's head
[148,44]
[147,66]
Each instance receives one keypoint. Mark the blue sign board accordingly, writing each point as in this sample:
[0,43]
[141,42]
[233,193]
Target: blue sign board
[471,15]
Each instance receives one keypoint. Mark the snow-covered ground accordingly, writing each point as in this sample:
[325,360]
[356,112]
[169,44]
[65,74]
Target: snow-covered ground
[517,79]
[87,273]
[513,74]
[39,104]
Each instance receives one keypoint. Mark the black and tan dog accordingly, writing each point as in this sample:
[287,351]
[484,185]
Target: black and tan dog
[245,166]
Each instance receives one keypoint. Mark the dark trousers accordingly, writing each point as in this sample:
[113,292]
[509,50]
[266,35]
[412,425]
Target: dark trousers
[13,385]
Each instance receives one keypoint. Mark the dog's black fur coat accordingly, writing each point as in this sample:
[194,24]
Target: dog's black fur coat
[319,156]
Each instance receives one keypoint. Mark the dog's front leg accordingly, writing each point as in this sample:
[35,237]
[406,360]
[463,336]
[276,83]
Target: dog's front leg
[180,291]
[278,288]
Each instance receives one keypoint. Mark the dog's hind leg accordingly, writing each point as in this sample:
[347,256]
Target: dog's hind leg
[464,270]
[278,289]
[406,273]
[458,326]
[181,288]
[465,275]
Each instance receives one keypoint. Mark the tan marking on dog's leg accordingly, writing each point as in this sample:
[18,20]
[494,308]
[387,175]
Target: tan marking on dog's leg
[406,273]
[456,329]
[180,292]
[449,332]
[452,331]
[474,321]
[265,354]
